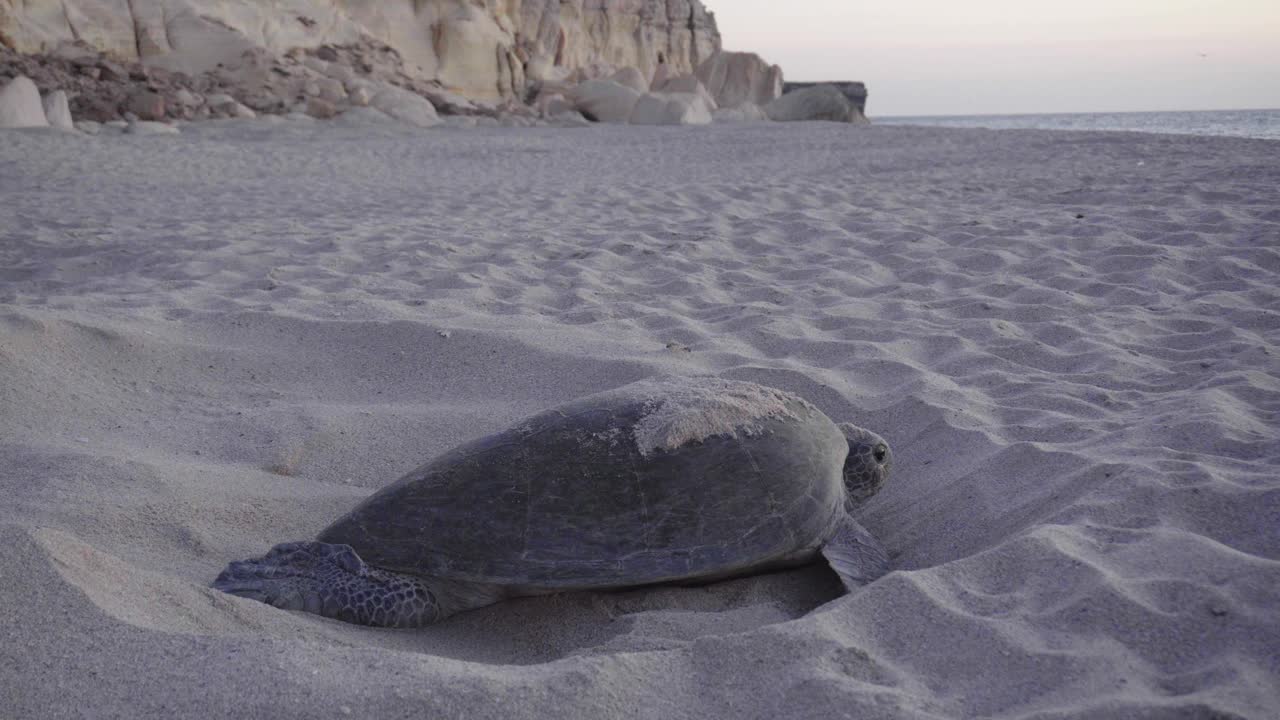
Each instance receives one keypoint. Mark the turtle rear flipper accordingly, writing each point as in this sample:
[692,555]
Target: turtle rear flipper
[331,580]
[855,555]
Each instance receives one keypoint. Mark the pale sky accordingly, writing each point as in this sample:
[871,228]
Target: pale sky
[962,57]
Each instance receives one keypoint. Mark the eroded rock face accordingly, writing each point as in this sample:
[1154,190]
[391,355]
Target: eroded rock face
[483,49]
[734,78]
[97,88]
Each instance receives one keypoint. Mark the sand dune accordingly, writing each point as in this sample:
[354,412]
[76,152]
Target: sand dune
[217,341]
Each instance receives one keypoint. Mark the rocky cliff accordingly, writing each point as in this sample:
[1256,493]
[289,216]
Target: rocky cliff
[484,49]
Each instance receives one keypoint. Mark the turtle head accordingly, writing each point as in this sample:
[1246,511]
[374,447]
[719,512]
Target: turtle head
[867,465]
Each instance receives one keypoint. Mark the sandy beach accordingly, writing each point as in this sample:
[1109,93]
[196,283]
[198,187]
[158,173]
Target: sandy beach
[216,341]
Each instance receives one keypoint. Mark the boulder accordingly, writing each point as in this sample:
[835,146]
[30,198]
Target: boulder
[341,72]
[605,101]
[733,78]
[360,96]
[451,103]
[222,104]
[559,105]
[217,100]
[186,98]
[321,109]
[670,109]
[406,106]
[147,105]
[316,64]
[552,104]
[20,105]
[111,72]
[821,102]
[365,116]
[682,83]
[89,127]
[746,112]
[57,111]
[855,91]
[99,107]
[689,84]
[332,90]
[632,78]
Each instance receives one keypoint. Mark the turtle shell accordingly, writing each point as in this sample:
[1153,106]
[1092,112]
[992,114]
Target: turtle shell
[667,479]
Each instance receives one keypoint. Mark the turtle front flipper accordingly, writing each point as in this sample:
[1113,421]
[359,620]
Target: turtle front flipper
[331,580]
[855,555]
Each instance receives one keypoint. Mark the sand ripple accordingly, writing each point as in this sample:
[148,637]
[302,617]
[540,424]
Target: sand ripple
[219,341]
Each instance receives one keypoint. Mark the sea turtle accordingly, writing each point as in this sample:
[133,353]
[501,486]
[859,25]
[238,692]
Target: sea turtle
[665,480]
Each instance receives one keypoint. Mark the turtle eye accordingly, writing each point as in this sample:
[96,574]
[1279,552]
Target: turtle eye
[880,452]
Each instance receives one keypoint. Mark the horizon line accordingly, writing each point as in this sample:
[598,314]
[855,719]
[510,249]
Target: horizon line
[1068,112]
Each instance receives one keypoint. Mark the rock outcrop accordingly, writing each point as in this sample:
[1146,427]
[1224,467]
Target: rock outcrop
[620,100]
[689,84]
[746,112]
[855,91]
[504,62]
[605,101]
[734,78]
[97,88]
[820,102]
[671,109]
[485,49]
[405,106]
[20,105]
[58,111]
[632,78]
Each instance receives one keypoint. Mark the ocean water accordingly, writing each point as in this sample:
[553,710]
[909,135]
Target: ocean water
[1234,123]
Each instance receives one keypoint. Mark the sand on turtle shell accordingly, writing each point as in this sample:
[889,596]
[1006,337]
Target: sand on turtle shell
[682,410]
